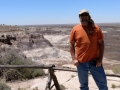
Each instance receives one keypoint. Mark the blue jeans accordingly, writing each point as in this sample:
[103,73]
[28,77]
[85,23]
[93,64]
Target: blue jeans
[97,73]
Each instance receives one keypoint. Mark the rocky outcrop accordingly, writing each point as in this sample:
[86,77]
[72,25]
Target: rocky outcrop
[6,39]
[33,41]
[26,41]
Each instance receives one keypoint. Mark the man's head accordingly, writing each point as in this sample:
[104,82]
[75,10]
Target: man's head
[84,17]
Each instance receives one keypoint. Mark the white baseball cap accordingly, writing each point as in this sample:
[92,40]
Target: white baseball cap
[83,11]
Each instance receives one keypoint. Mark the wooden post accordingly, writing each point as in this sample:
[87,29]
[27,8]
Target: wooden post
[51,71]
[48,83]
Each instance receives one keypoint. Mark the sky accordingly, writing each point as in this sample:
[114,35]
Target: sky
[36,12]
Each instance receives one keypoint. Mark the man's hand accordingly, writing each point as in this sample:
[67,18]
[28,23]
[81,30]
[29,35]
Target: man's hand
[98,63]
[75,62]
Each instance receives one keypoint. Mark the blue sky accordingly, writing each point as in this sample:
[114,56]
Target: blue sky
[32,12]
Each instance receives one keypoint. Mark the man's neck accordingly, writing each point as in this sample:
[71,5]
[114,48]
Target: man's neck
[84,25]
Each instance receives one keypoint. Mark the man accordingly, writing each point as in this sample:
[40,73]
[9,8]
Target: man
[87,48]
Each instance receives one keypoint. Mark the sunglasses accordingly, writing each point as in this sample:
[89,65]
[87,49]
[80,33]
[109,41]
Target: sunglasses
[84,14]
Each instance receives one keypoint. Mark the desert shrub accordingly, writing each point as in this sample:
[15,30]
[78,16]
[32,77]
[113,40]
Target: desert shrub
[12,74]
[36,88]
[13,57]
[72,76]
[4,87]
[62,87]
[116,70]
[38,72]
[31,73]
[21,88]
[113,86]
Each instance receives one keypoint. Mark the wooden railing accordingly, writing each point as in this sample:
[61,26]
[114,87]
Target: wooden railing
[51,74]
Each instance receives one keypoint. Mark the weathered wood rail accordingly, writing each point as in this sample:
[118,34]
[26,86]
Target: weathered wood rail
[51,75]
